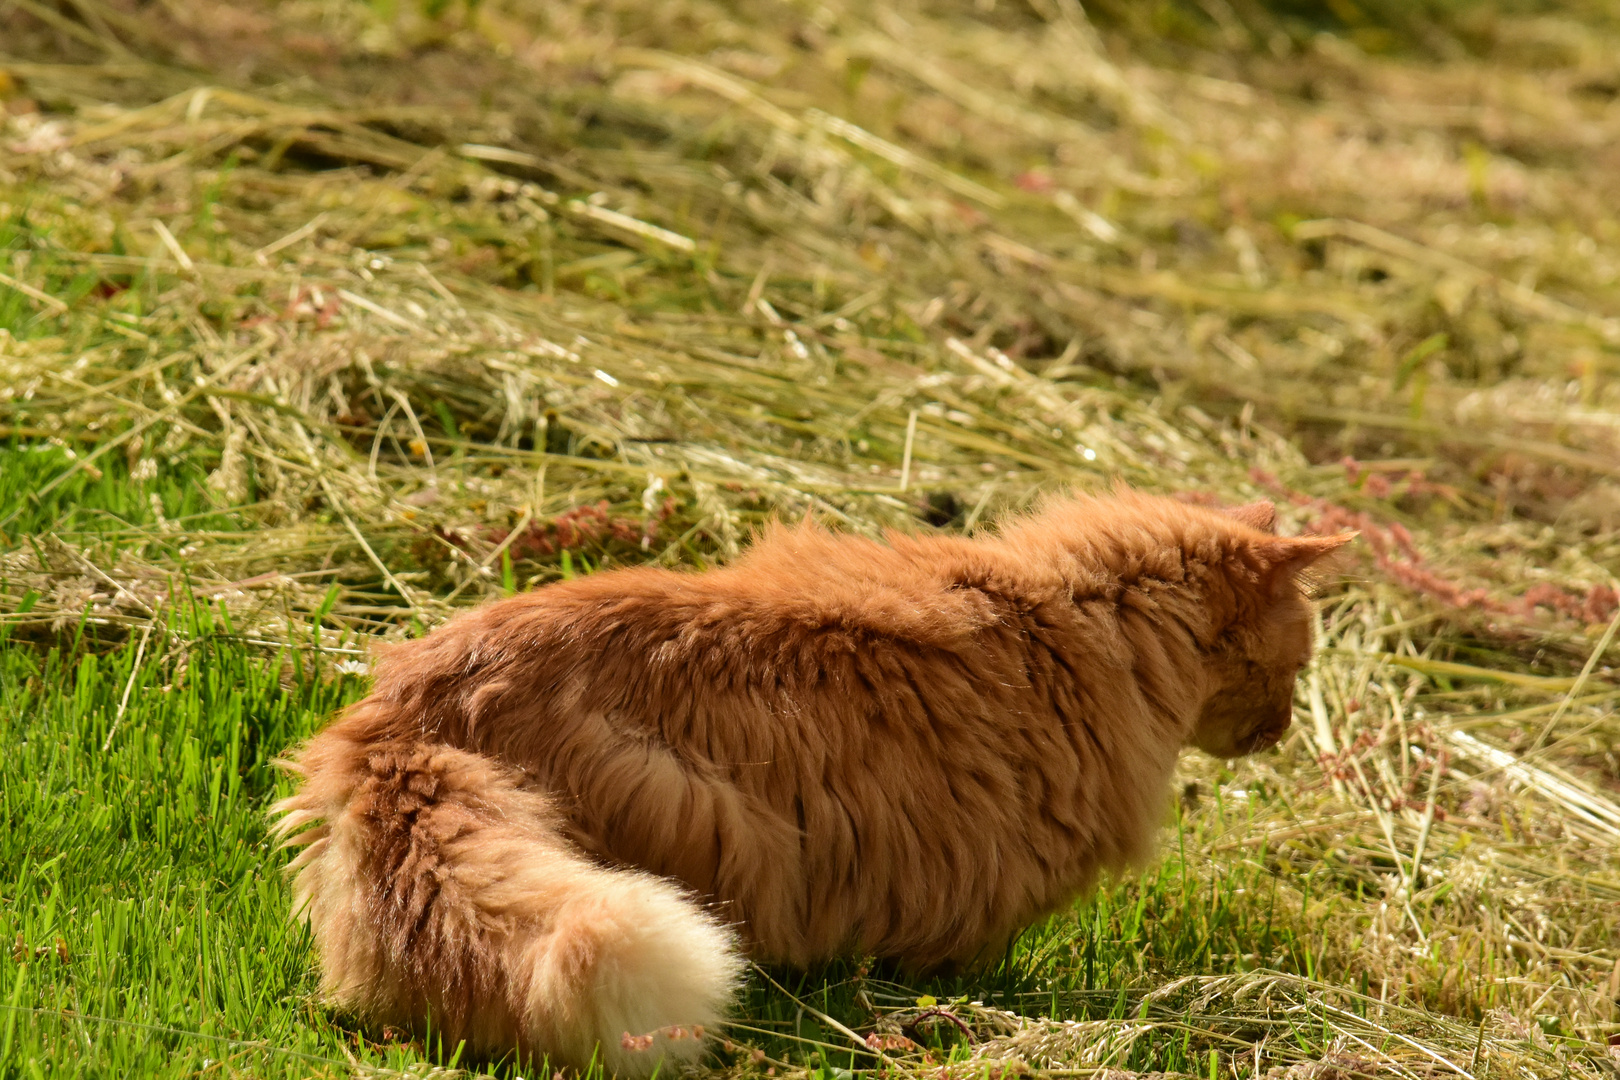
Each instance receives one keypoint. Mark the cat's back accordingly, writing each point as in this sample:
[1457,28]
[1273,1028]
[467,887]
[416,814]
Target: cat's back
[793,583]
[784,619]
[779,621]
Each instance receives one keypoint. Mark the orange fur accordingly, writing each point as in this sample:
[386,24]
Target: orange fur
[561,817]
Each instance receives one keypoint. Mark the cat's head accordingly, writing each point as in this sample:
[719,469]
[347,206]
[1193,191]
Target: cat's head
[1267,641]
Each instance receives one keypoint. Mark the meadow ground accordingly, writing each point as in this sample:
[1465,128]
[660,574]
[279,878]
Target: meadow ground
[322,319]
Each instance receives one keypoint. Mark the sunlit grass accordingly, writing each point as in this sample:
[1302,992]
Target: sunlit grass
[323,321]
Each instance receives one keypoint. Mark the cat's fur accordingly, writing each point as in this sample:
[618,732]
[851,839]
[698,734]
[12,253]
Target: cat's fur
[567,815]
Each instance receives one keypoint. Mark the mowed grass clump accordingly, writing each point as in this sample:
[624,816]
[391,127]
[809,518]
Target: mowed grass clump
[320,321]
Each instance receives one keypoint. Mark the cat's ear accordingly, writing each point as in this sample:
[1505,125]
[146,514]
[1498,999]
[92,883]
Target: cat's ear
[1260,515]
[1285,558]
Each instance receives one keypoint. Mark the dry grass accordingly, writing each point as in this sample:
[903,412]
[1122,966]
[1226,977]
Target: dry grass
[407,310]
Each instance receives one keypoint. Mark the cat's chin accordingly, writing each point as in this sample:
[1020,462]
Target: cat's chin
[1252,743]
[1263,740]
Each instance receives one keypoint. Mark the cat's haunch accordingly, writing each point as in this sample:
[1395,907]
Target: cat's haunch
[559,822]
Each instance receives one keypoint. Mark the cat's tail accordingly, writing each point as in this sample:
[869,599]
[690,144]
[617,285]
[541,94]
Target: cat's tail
[443,897]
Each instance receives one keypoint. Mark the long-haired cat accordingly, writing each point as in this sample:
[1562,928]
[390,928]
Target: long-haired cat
[562,819]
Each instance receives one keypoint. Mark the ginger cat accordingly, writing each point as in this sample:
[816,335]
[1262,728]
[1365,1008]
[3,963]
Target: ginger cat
[560,821]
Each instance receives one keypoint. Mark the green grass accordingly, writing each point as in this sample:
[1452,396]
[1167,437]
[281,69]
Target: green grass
[142,908]
[101,501]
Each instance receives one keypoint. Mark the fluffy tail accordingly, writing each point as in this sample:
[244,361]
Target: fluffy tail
[443,894]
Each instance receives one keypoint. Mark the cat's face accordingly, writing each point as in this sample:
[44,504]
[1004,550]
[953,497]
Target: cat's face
[1253,702]
[1253,668]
